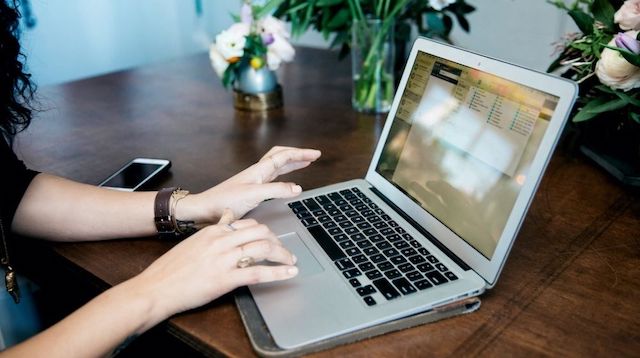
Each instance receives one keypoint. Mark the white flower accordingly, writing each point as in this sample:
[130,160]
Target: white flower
[230,43]
[614,71]
[628,16]
[218,62]
[279,51]
[275,35]
[438,5]
[273,26]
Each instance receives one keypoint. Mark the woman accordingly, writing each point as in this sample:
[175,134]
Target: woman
[211,262]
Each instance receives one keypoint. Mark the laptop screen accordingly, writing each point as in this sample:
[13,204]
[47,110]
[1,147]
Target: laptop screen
[461,146]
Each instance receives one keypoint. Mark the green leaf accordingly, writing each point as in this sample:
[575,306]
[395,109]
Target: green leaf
[635,117]
[603,12]
[326,3]
[598,106]
[340,19]
[435,23]
[583,20]
[268,8]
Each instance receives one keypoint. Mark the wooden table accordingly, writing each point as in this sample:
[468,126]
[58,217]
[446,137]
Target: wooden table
[571,285]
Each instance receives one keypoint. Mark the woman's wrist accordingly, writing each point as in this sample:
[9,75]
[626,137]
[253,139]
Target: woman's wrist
[189,209]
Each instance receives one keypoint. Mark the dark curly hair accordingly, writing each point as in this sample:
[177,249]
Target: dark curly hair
[16,88]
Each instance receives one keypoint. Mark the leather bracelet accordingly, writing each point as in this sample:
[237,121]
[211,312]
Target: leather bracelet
[162,213]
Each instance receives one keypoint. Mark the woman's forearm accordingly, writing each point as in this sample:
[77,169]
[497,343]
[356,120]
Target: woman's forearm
[59,209]
[97,328]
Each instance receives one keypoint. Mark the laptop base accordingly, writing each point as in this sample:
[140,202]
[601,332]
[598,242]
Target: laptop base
[265,346]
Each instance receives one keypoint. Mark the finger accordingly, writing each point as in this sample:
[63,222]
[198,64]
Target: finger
[274,163]
[244,223]
[264,250]
[227,217]
[260,274]
[249,234]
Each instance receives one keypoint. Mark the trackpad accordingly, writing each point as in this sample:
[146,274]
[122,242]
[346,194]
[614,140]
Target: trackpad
[307,263]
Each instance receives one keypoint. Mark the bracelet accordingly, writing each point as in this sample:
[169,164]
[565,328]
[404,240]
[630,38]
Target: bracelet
[182,227]
[162,213]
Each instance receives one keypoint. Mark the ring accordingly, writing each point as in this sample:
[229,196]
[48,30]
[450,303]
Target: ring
[245,261]
[230,227]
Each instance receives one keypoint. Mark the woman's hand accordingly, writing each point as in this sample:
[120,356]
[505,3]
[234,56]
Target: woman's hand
[247,189]
[209,264]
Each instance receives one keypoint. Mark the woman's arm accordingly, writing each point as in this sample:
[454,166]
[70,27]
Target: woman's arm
[59,209]
[196,271]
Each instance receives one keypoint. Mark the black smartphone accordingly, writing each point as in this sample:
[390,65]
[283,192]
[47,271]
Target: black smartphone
[136,173]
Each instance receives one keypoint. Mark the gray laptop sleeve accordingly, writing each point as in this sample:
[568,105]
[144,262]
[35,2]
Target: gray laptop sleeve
[264,345]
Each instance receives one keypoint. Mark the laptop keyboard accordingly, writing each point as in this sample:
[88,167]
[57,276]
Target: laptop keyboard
[374,254]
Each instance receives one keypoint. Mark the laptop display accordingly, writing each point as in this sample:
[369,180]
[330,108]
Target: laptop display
[461,145]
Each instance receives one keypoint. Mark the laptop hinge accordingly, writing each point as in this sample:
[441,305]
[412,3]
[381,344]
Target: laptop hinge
[424,232]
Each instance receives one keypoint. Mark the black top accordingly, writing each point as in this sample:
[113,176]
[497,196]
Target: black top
[14,180]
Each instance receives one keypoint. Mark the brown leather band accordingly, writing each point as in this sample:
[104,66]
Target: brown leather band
[162,213]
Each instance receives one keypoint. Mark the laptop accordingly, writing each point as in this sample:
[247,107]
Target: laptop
[456,167]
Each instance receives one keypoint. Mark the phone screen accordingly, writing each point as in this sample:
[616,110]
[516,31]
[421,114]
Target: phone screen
[131,176]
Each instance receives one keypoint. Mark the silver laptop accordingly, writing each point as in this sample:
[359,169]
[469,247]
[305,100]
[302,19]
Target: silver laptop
[464,147]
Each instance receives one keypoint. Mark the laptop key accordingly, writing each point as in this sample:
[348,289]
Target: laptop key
[339,218]
[393,223]
[347,244]
[383,245]
[385,265]
[324,218]
[364,225]
[366,290]
[432,259]
[416,260]
[408,251]
[400,245]
[450,275]
[380,225]
[340,237]
[357,219]
[323,200]
[391,274]
[353,251]
[441,267]
[406,267]
[390,252]
[311,204]
[334,196]
[377,258]
[436,277]
[404,286]
[425,267]
[309,222]
[398,260]
[400,230]
[370,251]
[423,284]
[329,225]
[357,237]
[363,244]
[351,273]
[355,282]
[344,264]
[345,224]
[376,238]
[414,276]
[386,289]
[335,231]
[370,301]
[394,238]
[423,251]
[387,231]
[367,266]
[295,204]
[373,274]
[351,230]
[304,214]
[324,240]
[358,259]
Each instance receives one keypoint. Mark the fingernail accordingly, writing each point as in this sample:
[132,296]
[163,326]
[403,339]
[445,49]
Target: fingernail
[292,271]
[297,189]
[294,258]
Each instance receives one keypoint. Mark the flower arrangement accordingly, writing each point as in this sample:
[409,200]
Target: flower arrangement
[604,59]
[432,18]
[256,40]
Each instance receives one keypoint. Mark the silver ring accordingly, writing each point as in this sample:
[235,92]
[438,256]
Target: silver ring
[230,227]
[245,262]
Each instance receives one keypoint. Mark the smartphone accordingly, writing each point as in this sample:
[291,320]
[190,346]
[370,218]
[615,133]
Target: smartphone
[136,173]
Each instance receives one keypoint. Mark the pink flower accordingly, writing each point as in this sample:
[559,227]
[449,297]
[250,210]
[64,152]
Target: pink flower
[614,71]
[628,16]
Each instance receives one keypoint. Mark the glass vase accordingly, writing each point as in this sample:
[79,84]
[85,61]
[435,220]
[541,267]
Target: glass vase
[372,56]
